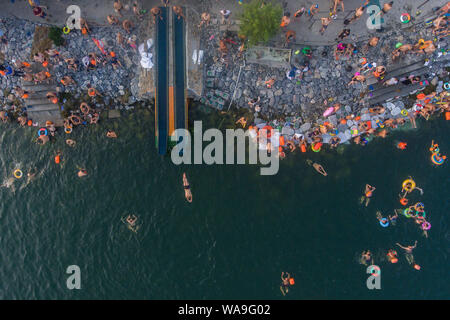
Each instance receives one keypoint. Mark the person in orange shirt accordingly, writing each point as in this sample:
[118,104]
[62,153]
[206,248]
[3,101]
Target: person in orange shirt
[285,20]
[290,35]
[52,97]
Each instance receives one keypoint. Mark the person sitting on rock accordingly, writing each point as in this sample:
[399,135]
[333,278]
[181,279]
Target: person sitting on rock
[127,25]
[242,121]
[67,81]
[137,12]
[71,64]
[156,12]
[112,20]
[339,50]
[379,72]
[377,110]
[334,142]
[223,47]
[38,57]
[84,26]
[53,54]
[52,97]
[205,19]
[357,77]
[179,12]
[269,83]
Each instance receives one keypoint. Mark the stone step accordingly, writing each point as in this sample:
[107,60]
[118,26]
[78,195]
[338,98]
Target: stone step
[43,116]
[380,89]
[404,92]
[39,87]
[398,71]
[43,107]
[37,101]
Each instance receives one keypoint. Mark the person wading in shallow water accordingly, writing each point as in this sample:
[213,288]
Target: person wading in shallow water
[187,189]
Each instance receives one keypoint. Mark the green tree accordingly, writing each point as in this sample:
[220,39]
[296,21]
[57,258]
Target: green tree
[55,34]
[260,21]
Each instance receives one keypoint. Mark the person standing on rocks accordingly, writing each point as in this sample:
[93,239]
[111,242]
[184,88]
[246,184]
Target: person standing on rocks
[127,25]
[225,15]
[357,77]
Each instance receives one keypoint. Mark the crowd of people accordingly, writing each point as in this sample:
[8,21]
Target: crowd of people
[424,106]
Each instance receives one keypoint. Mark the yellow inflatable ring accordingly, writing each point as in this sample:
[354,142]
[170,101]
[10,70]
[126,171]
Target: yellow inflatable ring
[404,112]
[66,30]
[18,173]
[409,185]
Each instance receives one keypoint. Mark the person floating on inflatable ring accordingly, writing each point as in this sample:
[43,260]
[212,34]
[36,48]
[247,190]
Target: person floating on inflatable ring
[392,256]
[84,107]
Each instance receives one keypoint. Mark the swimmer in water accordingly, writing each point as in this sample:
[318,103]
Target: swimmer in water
[317,167]
[70,142]
[366,257]
[82,173]
[187,189]
[130,221]
[379,216]
[285,276]
[368,194]
[111,134]
[392,256]
[31,175]
[393,218]
[408,252]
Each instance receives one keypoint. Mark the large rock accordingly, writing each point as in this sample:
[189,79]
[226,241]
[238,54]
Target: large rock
[287,131]
[305,127]
[396,111]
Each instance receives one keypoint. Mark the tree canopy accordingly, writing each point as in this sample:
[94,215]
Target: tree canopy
[260,20]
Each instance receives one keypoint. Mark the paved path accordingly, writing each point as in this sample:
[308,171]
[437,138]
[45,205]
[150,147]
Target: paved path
[95,11]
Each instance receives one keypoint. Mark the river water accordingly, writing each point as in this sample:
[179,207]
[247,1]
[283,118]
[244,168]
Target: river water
[241,231]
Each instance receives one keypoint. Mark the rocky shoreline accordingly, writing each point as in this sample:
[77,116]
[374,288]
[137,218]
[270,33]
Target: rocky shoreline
[296,104]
